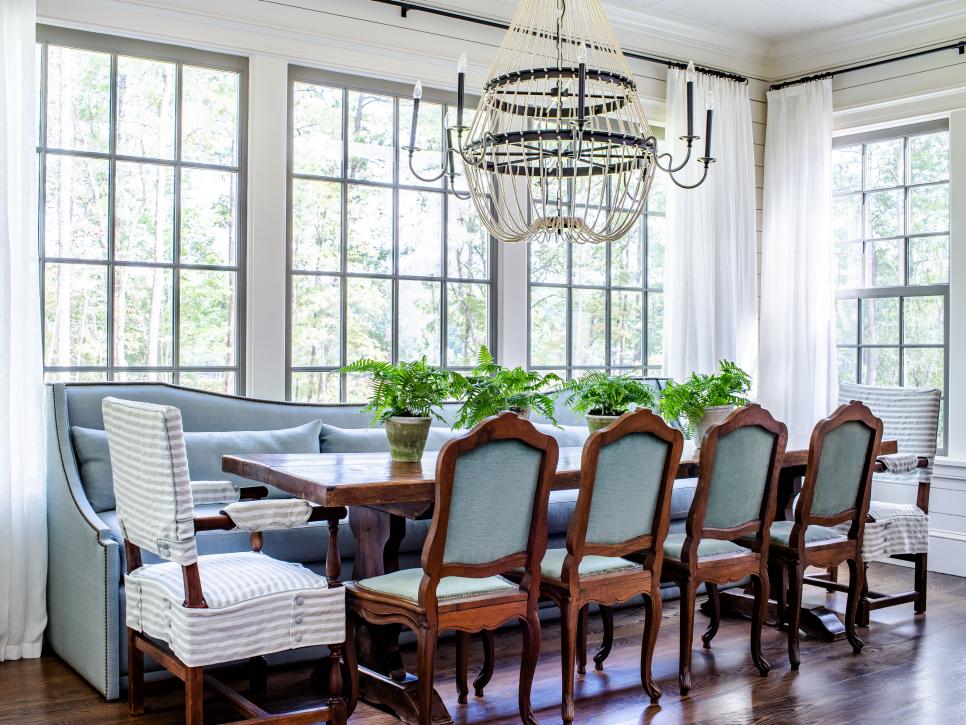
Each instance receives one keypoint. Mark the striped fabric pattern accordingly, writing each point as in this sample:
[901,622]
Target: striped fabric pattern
[909,416]
[203,492]
[900,462]
[282,513]
[151,483]
[256,606]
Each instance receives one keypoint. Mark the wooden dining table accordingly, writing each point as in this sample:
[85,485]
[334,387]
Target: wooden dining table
[381,494]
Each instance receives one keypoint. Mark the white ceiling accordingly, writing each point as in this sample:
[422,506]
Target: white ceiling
[765,21]
[770,20]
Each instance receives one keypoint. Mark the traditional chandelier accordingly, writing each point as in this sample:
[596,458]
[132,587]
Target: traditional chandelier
[559,146]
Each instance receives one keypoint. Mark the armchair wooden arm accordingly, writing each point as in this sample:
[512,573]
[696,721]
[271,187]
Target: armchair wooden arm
[922,493]
[333,559]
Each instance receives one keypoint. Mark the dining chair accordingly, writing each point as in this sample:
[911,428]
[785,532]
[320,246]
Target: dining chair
[191,611]
[735,497]
[490,516]
[838,480]
[623,507]
[897,530]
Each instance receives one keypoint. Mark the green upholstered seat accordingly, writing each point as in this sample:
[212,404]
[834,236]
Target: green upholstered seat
[781,530]
[707,548]
[552,564]
[405,584]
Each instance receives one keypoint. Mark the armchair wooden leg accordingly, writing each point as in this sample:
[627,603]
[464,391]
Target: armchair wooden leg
[688,598]
[856,586]
[582,621]
[462,666]
[135,675]
[336,699]
[652,625]
[760,584]
[194,696]
[528,666]
[489,655]
[426,664]
[833,573]
[796,574]
[921,571]
[607,619]
[714,605]
[569,616]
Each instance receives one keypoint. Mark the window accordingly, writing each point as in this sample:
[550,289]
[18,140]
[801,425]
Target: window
[382,265]
[140,159]
[600,306]
[891,232]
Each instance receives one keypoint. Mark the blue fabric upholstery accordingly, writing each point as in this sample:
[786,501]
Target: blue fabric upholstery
[781,530]
[707,548]
[738,477]
[628,481]
[844,453]
[492,502]
[204,455]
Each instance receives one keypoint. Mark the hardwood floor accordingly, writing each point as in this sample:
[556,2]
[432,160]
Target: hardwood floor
[911,671]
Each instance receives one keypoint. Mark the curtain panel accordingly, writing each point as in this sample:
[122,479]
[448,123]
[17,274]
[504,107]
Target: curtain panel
[711,280]
[23,547]
[797,346]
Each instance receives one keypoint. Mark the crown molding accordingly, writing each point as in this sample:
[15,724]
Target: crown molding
[899,32]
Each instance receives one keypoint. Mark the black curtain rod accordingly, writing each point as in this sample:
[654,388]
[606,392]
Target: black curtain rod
[959,45]
[406,7]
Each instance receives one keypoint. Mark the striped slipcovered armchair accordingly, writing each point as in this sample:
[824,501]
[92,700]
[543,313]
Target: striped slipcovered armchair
[895,529]
[194,611]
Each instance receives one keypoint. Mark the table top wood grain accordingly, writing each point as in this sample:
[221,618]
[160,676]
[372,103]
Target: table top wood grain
[373,479]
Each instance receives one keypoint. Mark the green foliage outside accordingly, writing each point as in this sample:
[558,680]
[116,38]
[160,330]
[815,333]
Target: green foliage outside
[406,389]
[597,393]
[492,388]
[687,401]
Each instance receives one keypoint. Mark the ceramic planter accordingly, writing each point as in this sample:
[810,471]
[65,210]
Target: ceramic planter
[596,422]
[522,412]
[712,416]
[407,437]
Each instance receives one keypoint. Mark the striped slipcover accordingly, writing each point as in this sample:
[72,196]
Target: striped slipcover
[256,605]
[910,416]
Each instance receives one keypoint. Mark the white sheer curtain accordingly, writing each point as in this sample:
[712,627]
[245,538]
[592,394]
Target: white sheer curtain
[711,284]
[23,537]
[797,370]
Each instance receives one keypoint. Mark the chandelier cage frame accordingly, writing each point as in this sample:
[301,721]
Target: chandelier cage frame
[560,149]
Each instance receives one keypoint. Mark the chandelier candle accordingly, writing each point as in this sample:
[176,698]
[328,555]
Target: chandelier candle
[417,94]
[559,147]
[707,127]
[690,78]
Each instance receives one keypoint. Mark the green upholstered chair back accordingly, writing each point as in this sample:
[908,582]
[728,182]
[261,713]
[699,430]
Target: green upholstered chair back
[630,473]
[492,505]
[742,452]
[492,487]
[842,468]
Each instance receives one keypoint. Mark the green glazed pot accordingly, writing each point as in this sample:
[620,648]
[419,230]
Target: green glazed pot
[407,438]
[596,422]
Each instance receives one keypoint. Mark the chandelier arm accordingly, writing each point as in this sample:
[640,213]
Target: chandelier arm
[707,162]
[670,168]
[416,173]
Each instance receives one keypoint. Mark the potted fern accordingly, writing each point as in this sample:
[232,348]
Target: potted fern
[404,397]
[601,398]
[705,400]
[491,388]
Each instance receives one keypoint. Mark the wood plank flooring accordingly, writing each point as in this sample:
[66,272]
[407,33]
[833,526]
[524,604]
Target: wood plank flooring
[911,671]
